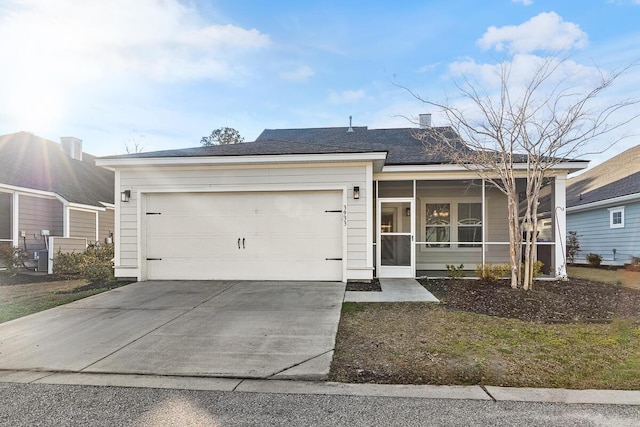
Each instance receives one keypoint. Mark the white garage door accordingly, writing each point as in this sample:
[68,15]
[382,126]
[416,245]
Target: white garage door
[244,236]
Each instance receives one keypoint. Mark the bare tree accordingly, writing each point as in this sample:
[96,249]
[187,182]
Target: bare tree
[133,144]
[523,131]
[222,136]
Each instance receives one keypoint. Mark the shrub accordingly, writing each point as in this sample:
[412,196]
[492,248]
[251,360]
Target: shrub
[537,268]
[95,264]
[594,259]
[455,272]
[12,258]
[573,246]
[492,273]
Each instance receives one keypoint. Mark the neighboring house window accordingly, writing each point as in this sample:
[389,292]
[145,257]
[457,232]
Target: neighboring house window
[452,221]
[616,217]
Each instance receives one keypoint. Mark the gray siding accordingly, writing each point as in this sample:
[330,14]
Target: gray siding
[106,224]
[82,224]
[5,215]
[36,214]
[595,236]
[313,176]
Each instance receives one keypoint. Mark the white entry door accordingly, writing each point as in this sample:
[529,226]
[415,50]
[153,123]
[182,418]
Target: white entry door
[395,242]
[244,236]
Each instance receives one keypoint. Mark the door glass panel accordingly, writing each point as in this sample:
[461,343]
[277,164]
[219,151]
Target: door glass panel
[395,218]
[395,250]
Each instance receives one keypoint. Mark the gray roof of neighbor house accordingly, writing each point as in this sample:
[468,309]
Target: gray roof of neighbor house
[402,145]
[618,176]
[29,161]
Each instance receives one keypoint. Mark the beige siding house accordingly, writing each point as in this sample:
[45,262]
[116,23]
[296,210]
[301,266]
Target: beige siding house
[50,190]
[337,204]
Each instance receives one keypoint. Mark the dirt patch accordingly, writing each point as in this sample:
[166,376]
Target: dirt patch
[572,301]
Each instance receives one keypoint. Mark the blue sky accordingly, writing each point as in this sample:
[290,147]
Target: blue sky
[165,73]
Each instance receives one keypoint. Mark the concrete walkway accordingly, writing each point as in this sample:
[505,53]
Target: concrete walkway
[486,393]
[393,290]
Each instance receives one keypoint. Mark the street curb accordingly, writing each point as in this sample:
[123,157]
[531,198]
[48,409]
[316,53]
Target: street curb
[485,393]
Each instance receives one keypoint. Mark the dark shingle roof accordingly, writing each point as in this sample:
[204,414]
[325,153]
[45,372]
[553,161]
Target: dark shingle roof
[402,146]
[29,161]
[618,176]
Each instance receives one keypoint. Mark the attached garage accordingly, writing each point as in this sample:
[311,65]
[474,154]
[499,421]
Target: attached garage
[270,235]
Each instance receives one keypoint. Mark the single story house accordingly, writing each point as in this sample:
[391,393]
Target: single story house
[603,208]
[334,204]
[50,190]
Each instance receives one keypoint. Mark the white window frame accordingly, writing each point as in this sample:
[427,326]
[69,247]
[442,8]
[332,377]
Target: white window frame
[612,212]
[454,245]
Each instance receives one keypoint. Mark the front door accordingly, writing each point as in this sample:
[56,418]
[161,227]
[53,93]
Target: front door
[395,243]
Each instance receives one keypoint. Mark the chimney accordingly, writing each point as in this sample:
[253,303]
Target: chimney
[72,147]
[425,120]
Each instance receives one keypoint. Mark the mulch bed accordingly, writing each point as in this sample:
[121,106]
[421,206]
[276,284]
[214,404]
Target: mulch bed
[569,301]
[26,277]
[373,286]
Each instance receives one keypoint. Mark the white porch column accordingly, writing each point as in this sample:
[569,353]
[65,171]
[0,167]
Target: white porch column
[560,213]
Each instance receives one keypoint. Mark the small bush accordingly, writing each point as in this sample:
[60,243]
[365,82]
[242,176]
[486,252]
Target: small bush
[537,268]
[594,260]
[492,273]
[95,264]
[573,246]
[12,258]
[455,272]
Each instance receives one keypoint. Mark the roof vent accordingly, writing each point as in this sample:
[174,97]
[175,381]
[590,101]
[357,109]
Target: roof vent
[350,128]
[72,147]
[425,120]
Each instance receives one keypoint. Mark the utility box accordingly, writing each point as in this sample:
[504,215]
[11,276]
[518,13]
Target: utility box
[43,261]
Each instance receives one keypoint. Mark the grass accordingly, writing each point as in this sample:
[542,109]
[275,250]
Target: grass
[21,300]
[630,279]
[422,343]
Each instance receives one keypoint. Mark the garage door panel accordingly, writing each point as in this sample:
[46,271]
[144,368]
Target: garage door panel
[287,236]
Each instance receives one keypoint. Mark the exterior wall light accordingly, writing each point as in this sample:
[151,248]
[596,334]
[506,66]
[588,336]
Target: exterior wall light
[125,196]
[356,192]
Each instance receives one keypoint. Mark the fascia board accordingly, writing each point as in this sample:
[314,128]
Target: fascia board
[607,202]
[568,166]
[235,160]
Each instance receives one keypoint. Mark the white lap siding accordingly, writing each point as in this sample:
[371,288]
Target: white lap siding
[250,178]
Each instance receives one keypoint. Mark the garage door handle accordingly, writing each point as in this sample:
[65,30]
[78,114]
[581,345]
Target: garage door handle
[243,243]
[238,243]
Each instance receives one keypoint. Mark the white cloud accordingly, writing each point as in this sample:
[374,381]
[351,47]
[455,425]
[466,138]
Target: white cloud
[524,2]
[543,32]
[346,97]
[65,50]
[302,73]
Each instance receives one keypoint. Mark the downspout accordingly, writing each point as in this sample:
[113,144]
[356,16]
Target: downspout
[65,215]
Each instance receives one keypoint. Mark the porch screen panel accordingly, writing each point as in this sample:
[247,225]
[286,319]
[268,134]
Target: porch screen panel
[396,250]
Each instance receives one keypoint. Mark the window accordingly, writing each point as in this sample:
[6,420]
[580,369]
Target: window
[470,224]
[438,224]
[616,217]
[452,221]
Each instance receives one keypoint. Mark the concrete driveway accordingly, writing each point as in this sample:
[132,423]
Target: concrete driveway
[282,330]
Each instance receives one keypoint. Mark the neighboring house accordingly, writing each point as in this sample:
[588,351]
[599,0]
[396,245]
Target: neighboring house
[603,207]
[334,204]
[52,190]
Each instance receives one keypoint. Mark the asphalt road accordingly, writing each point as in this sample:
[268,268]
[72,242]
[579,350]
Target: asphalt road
[55,405]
